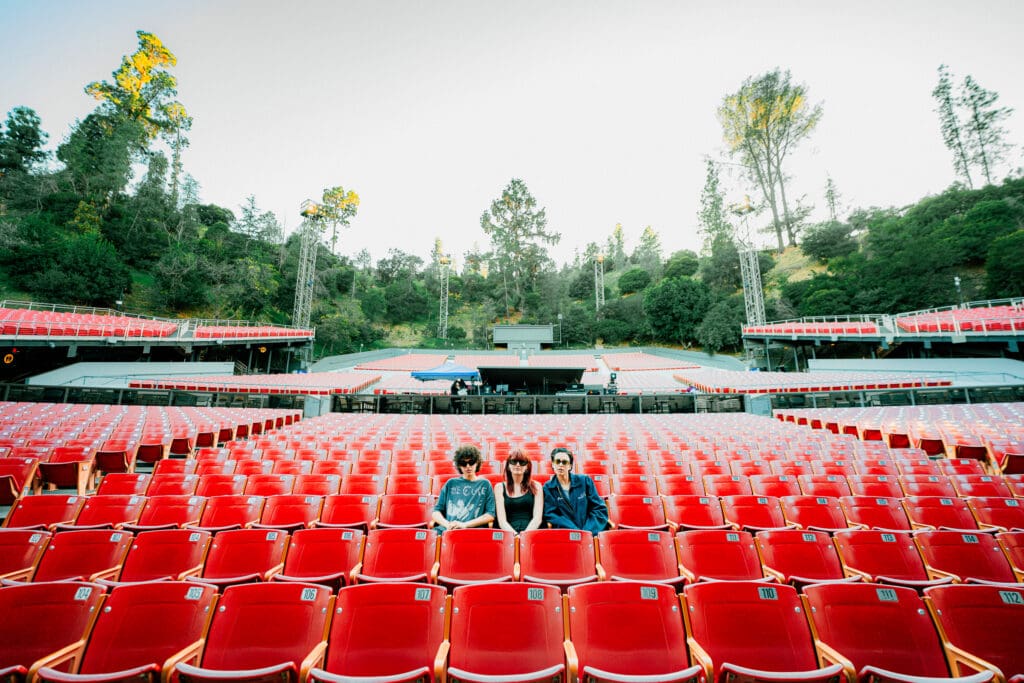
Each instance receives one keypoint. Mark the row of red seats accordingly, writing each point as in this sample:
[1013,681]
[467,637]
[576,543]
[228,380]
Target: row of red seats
[22,321]
[248,331]
[829,328]
[523,632]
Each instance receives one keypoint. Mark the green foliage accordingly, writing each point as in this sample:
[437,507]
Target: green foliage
[1005,266]
[683,263]
[98,156]
[722,327]
[829,240]
[721,270]
[82,270]
[578,326]
[21,142]
[182,278]
[675,308]
[406,301]
[634,280]
[345,330]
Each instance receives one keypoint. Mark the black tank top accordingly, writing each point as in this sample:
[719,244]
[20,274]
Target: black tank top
[518,511]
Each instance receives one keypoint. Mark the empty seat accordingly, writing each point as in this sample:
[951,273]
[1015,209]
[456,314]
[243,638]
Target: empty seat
[20,551]
[290,512]
[635,485]
[43,512]
[966,557]
[107,512]
[165,554]
[172,484]
[979,486]
[265,632]
[680,485]
[363,484]
[694,512]
[939,512]
[740,630]
[221,485]
[822,513]
[169,512]
[243,556]
[560,557]
[754,513]
[349,510]
[883,557]
[475,555]
[871,512]
[627,632]
[877,485]
[230,512]
[325,556]
[269,484]
[124,483]
[141,627]
[723,485]
[827,485]
[409,510]
[998,514]
[45,625]
[1012,543]
[16,478]
[877,632]
[713,554]
[799,557]
[636,512]
[397,554]
[408,484]
[638,555]
[777,485]
[486,616]
[927,485]
[317,484]
[393,632]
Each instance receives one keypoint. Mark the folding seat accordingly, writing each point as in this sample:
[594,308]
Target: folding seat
[634,485]
[141,627]
[349,510]
[243,556]
[927,485]
[484,618]
[88,554]
[793,468]
[396,554]
[871,512]
[68,468]
[165,554]
[680,485]
[323,556]
[952,466]
[172,484]
[475,555]
[938,512]
[269,484]
[672,468]
[714,554]
[1015,482]
[998,514]
[409,510]
[799,557]
[627,632]
[264,632]
[175,466]
[708,468]
[980,627]
[636,512]
[364,484]
[877,633]
[966,557]
[559,557]
[106,512]
[877,485]
[723,485]
[317,484]
[208,467]
[602,483]
[917,467]
[750,468]
[979,486]
[45,625]
[631,468]
[386,632]
[753,513]
[251,466]
[408,484]
[1012,543]
[168,512]
[220,485]
[638,555]
[117,455]
[20,551]
[777,485]
[230,512]
[883,557]
[747,631]
[693,512]
[875,467]
[336,467]
[289,512]
[842,468]
[292,467]
[124,483]
[817,513]
[43,512]
[827,485]
[17,476]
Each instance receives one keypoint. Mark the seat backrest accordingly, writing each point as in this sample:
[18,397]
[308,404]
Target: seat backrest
[807,555]
[398,554]
[349,510]
[986,621]
[561,556]
[20,551]
[485,615]
[165,553]
[636,512]
[927,485]
[1012,543]
[680,485]
[269,484]
[875,512]
[638,555]
[315,553]
[777,485]
[146,623]
[317,484]
[40,619]
[964,555]
[817,512]
[222,511]
[176,510]
[44,511]
[264,624]
[221,484]
[753,512]
[405,510]
[829,485]
[172,484]
[290,509]
[473,555]
[760,626]
[881,626]
[718,554]
[112,510]
[1003,514]
[240,552]
[385,629]
[629,628]
[692,512]
[123,483]
[723,485]
[979,485]
[939,512]
[874,553]
[84,553]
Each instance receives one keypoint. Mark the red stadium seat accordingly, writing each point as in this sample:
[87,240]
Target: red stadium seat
[883,557]
[169,512]
[407,510]
[799,557]
[124,484]
[877,485]
[927,485]
[979,486]
[636,512]
[939,512]
[776,485]
[723,485]
[680,485]
[694,512]
[1012,543]
[966,557]
[211,485]
[817,513]
[16,478]
[243,556]
[269,484]
[754,513]
[289,512]
[43,512]
[998,514]
[712,554]
[827,485]
[107,512]
[325,556]
[222,513]
[88,554]
[172,484]
[397,555]
[165,554]
[638,555]
[872,512]
[559,557]
[20,552]
[471,556]
[349,510]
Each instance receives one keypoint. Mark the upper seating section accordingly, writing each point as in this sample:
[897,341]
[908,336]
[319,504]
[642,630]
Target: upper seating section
[643,361]
[842,329]
[985,319]
[737,382]
[407,362]
[315,384]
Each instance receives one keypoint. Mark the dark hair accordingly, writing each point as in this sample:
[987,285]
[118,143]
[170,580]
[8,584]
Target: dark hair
[518,454]
[562,449]
[471,453]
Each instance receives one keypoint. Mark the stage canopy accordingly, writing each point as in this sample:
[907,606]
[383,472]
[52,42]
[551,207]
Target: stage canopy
[448,371]
[531,380]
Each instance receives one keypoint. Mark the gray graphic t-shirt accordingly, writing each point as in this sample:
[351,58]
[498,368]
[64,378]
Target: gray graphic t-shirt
[462,500]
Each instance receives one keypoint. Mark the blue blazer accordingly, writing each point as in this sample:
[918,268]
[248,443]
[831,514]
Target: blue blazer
[579,508]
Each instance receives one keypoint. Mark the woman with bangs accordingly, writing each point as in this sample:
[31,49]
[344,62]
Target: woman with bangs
[519,500]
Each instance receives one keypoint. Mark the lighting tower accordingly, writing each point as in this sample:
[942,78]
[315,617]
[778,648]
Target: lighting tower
[599,283]
[443,262]
[750,269]
[312,225]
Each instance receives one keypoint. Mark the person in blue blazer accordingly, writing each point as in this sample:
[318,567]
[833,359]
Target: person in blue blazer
[571,500]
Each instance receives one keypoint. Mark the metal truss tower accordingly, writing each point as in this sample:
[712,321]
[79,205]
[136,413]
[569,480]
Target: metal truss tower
[753,293]
[599,283]
[304,280]
[443,264]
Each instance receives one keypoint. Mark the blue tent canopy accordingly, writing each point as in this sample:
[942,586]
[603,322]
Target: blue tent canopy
[447,371]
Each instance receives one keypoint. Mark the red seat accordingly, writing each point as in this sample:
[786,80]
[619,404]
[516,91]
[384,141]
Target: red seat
[387,632]
[168,512]
[397,554]
[289,512]
[877,633]
[927,485]
[966,557]
[559,557]
[483,618]
[738,631]
[638,555]
[877,485]
[635,485]
[474,555]
[42,512]
[883,557]
[409,510]
[754,513]
[998,514]
[20,551]
[349,510]
[107,512]
[243,556]
[408,484]
[88,554]
[723,485]
[220,485]
[627,632]
[872,512]
[1012,543]
[264,633]
[979,486]
[718,555]
[317,484]
[824,485]
[776,485]
[938,512]
[230,512]
[172,484]
[363,484]
[680,485]
[636,512]
[694,512]
[799,557]
[16,478]
[324,556]
[165,554]
[269,484]
[819,513]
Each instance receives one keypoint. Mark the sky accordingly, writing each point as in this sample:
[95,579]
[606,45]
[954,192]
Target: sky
[606,109]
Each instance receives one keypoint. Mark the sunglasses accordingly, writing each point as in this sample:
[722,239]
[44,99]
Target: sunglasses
[561,462]
[466,463]
[520,463]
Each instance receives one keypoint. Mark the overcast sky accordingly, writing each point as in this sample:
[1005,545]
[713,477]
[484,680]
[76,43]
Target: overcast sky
[605,108]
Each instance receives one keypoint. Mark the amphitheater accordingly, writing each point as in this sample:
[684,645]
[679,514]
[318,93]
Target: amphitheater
[862,519]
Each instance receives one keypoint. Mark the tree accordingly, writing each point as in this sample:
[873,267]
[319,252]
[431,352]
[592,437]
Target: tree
[518,232]
[829,240]
[985,134]
[634,280]
[98,156]
[615,249]
[84,270]
[648,252]
[682,263]
[832,197]
[339,207]
[675,308]
[762,123]
[722,326]
[21,141]
[1004,270]
[949,124]
[712,217]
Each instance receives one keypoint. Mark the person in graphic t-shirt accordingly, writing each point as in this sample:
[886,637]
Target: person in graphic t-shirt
[467,501]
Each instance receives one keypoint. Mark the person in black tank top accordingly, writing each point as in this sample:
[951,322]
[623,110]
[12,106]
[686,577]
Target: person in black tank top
[519,500]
